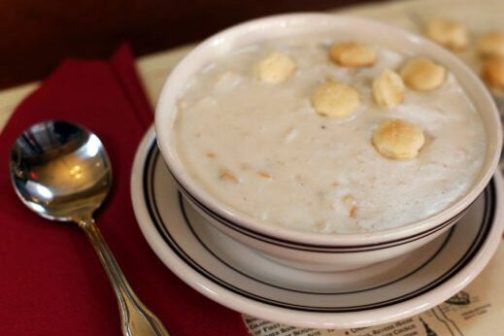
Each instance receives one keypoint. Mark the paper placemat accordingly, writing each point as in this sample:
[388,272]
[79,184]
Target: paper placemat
[476,311]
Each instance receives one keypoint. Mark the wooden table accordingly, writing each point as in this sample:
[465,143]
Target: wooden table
[37,35]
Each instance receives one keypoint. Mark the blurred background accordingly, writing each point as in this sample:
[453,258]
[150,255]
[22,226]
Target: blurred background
[37,35]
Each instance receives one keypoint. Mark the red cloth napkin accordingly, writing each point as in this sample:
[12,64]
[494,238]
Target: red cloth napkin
[51,282]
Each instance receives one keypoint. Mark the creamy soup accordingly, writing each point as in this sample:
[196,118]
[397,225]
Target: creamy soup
[261,149]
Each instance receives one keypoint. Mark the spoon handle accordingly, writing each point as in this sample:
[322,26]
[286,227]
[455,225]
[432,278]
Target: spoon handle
[136,319]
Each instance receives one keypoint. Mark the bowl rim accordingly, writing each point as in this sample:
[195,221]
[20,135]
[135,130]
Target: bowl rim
[168,97]
[307,247]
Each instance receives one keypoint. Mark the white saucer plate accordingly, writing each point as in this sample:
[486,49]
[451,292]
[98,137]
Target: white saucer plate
[244,280]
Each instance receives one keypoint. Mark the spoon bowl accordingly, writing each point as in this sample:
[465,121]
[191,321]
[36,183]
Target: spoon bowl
[62,172]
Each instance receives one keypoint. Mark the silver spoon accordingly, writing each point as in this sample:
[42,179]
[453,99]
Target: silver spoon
[62,172]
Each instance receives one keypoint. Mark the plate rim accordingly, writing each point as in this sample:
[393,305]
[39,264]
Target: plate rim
[288,316]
